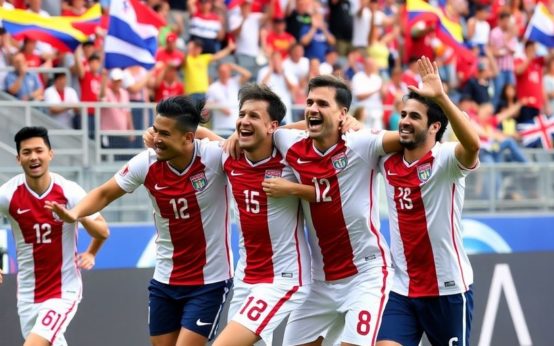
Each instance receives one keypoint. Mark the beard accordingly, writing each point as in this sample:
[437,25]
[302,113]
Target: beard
[419,138]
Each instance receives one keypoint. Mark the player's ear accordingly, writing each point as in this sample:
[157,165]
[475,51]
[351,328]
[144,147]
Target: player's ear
[273,126]
[189,137]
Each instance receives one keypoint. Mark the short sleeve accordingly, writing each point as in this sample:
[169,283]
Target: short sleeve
[211,153]
[133,174]
[447,157]
[285,138]
[366,143]
[74,194]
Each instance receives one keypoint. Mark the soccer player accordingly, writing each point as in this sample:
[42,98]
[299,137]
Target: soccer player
[273,274]
[49,282]
[425,183]
[350,258]
[187,187]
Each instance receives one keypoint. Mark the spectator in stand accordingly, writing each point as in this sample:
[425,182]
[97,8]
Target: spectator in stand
[245,27]
[378,46]
[419,40]
[6,5]
[21,83]
[411,77]
[478,28]
[44,49]
[355,62]
[508,99]
[478,88]
[169,54]
[115,118]
[167,82]
[367,12]
[6,53]
[58,94]
[529,73]
[196,68]
[174,24]
[222,96]
[206,25]
[331,59]
[299,17]
[548,82]
[73,8]
[341,24]
[298,64]
[277,39]
[394,91]
[90,80]
[135,80]
[34,60]
[283,82]
[316,39]
[367,88]
[503,43]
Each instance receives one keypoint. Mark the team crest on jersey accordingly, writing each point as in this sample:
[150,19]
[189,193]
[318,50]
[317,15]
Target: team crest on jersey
[199,181]
[272,173]
[123,172]
[424,172]
[339,161]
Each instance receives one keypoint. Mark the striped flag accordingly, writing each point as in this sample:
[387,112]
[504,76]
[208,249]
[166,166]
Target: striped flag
[541,26]
[541,129]
[132,35]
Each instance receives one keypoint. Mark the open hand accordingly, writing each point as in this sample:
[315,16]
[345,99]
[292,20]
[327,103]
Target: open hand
[431,86]
[148,137]
[61,210]
[231,145]
[277,187]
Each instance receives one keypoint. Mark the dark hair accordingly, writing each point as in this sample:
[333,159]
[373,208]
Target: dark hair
[94,56]
[252,91]
[88,43]
[184,110]
[343,95]
[529,43]
[197,42]
[58,75]
[31,132]
[434,113]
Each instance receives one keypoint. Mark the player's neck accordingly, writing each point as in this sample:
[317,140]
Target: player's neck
[182,162]
[323,144]
[412,155]
[259,154]
[39,185]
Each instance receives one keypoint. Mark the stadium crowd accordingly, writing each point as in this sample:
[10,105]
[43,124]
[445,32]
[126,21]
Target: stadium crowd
[209,48]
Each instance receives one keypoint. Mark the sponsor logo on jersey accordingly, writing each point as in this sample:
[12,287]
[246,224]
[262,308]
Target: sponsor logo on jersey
[123,172]
[424,172]
[449,284]
[287,275]
[199,181]
[272,173]
[339,161]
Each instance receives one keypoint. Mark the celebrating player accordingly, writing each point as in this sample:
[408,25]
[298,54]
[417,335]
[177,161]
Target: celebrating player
[350,259]
[425,183]
[49,282]
[187,187]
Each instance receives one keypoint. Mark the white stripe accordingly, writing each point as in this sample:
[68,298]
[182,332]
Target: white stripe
[115,45]
[216,320]
[129,16]
[464,319]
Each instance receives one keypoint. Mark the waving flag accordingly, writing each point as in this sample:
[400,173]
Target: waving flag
[541,129]
[132,35]
[447,30]
[60,32]
[541,26]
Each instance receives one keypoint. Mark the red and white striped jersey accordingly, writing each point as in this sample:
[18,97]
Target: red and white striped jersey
[425,201]
[46,246]
[272,243]
[190,213]
[344,221]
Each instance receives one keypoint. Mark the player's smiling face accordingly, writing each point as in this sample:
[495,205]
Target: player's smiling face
[254,125]
[169,141]
[413,127]
[323,114]
[34,157]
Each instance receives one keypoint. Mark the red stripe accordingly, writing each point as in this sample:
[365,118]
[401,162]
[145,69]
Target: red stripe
[276,308]
[61,324]
[412,226]
[145,15]
[298,254]
[453,235]
[381,304]
[227,233]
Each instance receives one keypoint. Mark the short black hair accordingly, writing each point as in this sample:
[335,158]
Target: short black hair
[434,113]
[31,132]
[184,110]
[252,91]
[59,75]
[343,95]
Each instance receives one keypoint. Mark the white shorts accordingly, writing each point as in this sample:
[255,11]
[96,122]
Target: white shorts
[347,310]
[262,307]
[48,319]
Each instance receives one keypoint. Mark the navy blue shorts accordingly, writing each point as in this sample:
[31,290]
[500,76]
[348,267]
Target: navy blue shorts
[446,320]
[196,308]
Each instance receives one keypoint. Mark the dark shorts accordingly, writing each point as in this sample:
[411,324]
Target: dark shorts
[196,308]
[446,320]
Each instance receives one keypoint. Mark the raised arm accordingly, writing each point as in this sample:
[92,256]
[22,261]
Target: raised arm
[467,150]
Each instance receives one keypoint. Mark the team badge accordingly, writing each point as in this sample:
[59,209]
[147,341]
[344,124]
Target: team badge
[123,172]
[199,181]
[339,161]
[272,173]
[424,172]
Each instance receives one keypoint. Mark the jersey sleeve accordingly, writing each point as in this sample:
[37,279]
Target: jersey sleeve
[133,174]
[74,194]
[4,199]
[211,153]
[285,138]
[447,157]
[366,143]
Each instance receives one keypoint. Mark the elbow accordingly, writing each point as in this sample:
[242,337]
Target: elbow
[104,233]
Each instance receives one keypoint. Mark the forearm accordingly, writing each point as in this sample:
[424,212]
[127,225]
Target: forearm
[97,228]
[299,125]
[460,123]
[305,192]
[94,246]
[98,199]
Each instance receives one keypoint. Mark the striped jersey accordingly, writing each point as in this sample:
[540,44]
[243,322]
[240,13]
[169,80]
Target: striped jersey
[272,244]
[425,201]
[344,221]
[190,214]
[46,246]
